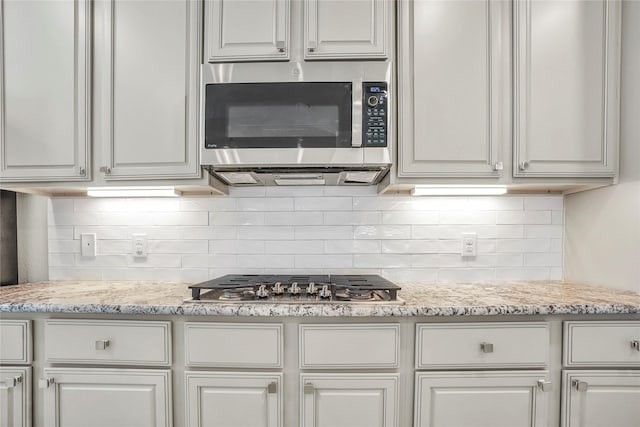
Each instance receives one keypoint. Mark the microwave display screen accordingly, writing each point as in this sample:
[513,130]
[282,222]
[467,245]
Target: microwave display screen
[278,115]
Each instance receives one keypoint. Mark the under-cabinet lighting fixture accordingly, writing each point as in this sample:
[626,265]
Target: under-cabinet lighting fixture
[458,190]
[132,192]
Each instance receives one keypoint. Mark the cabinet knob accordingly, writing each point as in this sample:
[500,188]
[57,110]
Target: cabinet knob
[486,347]
[280,46]
[82,171]
[12,381]
[524,165]
[498,166]
[102,344]
[580,385]
[635,344]
[105,169]
[544,385]
[272,387]
[309,388]
[311,46]
[45,382]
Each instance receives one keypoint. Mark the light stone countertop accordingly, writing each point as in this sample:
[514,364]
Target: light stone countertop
[424,299]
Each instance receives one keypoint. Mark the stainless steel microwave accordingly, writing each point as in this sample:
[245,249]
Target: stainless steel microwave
[325,123]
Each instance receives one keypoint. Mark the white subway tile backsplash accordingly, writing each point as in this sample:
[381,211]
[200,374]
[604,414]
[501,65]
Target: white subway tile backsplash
[335,230]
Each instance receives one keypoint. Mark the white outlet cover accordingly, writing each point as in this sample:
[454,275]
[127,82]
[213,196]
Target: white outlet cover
[139,245]
[469,244]
[88,244]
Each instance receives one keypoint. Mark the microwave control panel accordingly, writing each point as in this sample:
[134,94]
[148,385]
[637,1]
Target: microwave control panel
[374,114]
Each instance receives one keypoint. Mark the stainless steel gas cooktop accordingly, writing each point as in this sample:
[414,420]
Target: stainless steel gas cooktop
[303,289]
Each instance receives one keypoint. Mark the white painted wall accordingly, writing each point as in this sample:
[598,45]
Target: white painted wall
[31,214]
[602,227]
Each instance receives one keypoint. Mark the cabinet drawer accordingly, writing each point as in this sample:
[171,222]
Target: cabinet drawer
[349,346]
[602,343]
[15,336]
[483,345]
[108,342]
[246,345]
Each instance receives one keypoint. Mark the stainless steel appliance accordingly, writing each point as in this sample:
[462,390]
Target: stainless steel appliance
[297,123]
[296,289]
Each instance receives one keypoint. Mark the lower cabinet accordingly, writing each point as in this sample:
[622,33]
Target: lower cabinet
[482,399]
[349,400]
[225,399]
[594,398]
[107,397]
[15,396]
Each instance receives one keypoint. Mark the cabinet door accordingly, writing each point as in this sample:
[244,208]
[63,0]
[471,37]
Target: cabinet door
[339,29]
[601,398]
[566,87]
[482,399]
[234,399]
[149,81]
[349,400]
[45,68]
[106,397]
[15,397]
[454,87]
[248,30]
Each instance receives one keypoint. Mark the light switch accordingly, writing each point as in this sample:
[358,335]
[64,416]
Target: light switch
[469,244]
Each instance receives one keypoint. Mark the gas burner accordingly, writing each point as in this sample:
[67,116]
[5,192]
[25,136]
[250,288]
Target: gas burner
[306,289]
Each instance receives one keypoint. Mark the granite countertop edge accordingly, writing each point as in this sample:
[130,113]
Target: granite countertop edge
[422,299]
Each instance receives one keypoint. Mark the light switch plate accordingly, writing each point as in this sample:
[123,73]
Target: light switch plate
[469,244]
[88,244]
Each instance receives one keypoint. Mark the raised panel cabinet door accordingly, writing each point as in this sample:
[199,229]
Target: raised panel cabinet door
[150,57]
[340,29]
[247,30]
[483,399]
[106,397]
[567,69]
[600,398]
[454,106]
[15,396]
[234,399]
[45,90]
[349,400]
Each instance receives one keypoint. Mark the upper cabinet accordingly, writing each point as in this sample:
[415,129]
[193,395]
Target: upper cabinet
[149,58]
[567,68]
[335,29]
[461,114]
[269,30]
[253,30]
[454,85]
[45,70]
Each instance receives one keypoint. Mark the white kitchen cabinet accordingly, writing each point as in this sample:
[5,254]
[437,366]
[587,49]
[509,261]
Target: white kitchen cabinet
[262,30]
[149,57]
[15,396]
[225,399]
[45,84]
[595,398]
[482,399]
[106,397]
[249,30]
[336,29]
[454,87]
[349,400]
[566,88]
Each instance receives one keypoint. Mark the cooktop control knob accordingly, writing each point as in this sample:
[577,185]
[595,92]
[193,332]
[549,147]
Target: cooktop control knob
[294,289]
[372,101]
[277,289]
[262,291]
[312,289]
[325,292]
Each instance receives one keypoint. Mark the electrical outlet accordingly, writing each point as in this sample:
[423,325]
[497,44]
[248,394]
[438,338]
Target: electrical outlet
[139,244]
[469,244]
[88,244]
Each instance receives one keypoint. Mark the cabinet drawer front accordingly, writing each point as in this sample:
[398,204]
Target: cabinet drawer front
[15,336]
[233,345]
[108,342]
[349,346]
[602,343]
[484,345]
